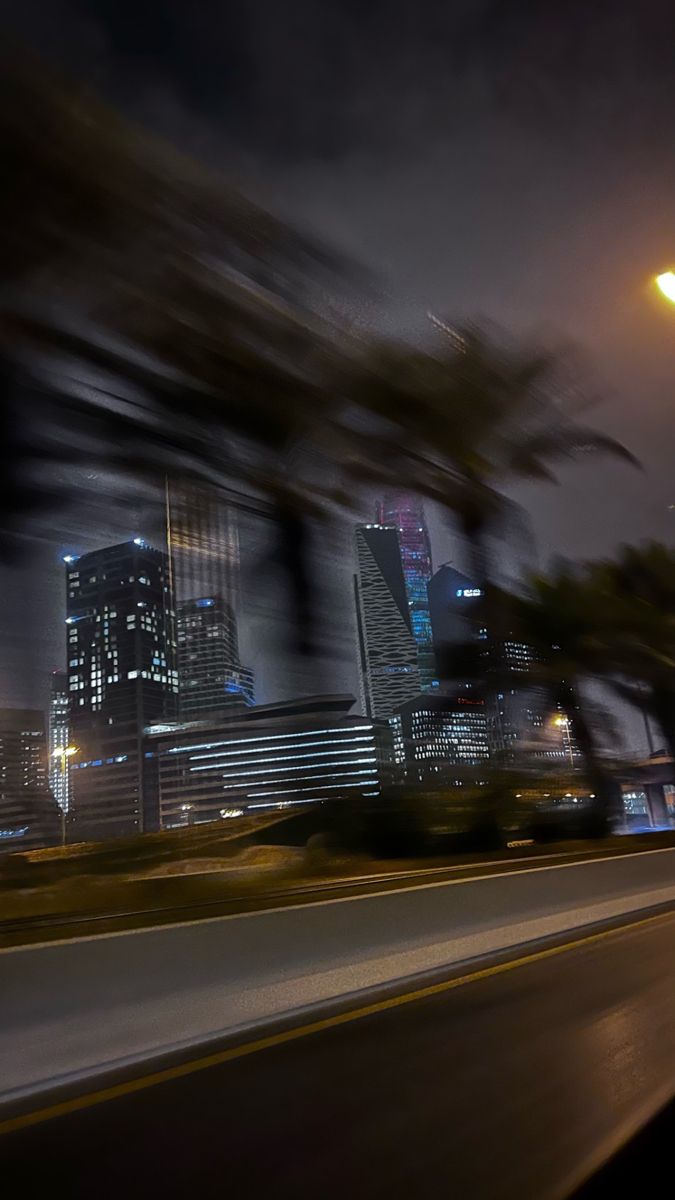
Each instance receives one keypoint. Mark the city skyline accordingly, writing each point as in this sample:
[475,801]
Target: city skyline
[123,639]
[21,687]
[133,662]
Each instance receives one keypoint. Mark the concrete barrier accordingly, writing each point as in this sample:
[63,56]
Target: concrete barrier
[73,1009]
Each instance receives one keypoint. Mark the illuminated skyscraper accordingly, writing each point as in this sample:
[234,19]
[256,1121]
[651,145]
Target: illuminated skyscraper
[406,513]
[203,540]
[387,650]
[204,550]
[122,676]
[453,599]
[211,677]
[59,739]
[519,715]
[442,732]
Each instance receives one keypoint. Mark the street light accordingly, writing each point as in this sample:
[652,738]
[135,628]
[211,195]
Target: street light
[563,724]
[665,282]
[64,753]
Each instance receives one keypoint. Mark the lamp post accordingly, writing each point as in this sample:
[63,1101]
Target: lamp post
[63,753]
[563,724]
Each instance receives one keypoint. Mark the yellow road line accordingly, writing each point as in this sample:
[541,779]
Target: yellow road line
[12,1124]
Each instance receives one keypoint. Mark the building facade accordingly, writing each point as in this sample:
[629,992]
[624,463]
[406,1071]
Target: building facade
[267,757]
[29,816]
[519,717]
[406,513]
[122,675]
[58,739]
[387,649]
[203,540]
[211,677]
[453,601]
[442,732]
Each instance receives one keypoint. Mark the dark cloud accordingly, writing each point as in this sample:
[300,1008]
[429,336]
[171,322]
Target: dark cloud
[316,80]
[308,79]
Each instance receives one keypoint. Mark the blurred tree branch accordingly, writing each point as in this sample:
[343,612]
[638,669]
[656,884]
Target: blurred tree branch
[205,336]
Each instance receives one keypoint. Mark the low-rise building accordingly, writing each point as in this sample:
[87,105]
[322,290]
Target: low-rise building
[29,815]
[270,756]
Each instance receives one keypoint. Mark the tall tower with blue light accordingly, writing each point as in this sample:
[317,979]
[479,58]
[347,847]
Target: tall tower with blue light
[406,513]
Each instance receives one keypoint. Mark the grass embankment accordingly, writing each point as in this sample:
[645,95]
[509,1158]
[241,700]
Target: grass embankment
[123,873]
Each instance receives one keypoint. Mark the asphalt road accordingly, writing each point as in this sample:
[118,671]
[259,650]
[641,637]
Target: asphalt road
[506,1086]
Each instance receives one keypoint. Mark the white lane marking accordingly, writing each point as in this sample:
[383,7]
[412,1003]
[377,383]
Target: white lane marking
[261,912]
[491,862]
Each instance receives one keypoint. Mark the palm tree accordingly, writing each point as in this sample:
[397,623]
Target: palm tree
[208,316]
[462,422]
[560,618]
[153,321]
[169,321]
[176,328]
[637,594]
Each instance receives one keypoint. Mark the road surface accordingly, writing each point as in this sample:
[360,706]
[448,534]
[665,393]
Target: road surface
[87,1005]
[509,1084]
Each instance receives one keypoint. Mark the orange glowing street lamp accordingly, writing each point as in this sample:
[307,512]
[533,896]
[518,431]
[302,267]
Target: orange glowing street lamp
[665,282]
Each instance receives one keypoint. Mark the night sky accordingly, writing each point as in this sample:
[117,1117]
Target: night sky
[508,160]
